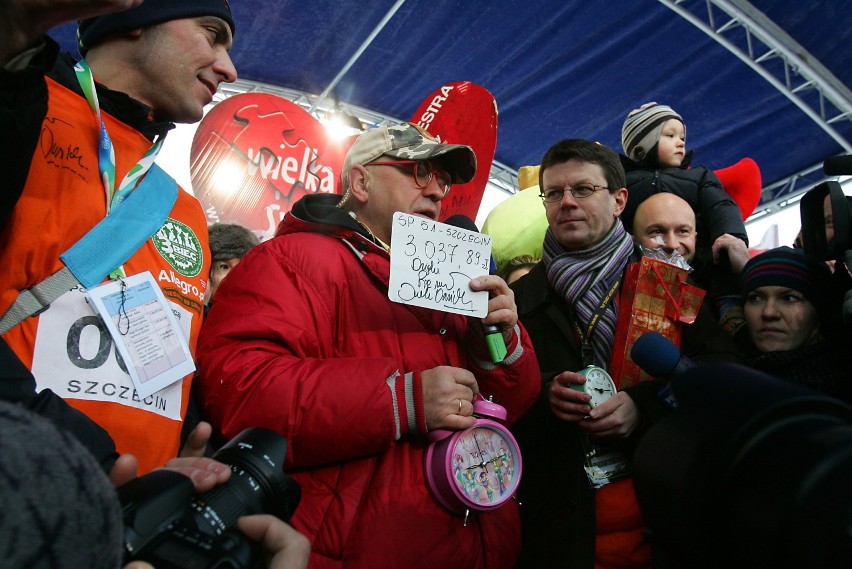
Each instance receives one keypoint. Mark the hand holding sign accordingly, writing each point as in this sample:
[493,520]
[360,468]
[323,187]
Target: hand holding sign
[432,265]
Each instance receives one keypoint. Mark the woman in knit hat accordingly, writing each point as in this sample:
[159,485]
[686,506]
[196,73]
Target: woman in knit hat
[789,314]
[229,242]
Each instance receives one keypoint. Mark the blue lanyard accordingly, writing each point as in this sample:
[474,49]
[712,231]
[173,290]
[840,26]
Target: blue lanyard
[106,151]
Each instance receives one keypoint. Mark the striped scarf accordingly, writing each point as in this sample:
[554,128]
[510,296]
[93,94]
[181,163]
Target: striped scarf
[584,278]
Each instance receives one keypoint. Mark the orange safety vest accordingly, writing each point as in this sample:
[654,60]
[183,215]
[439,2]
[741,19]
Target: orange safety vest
[66,346]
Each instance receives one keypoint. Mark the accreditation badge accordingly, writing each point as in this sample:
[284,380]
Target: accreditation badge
[141,324]
[75,356]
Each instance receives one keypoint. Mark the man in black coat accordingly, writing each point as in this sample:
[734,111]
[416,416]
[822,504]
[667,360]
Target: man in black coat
[569,304]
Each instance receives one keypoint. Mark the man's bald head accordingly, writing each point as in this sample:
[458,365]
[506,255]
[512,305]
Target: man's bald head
[667,217]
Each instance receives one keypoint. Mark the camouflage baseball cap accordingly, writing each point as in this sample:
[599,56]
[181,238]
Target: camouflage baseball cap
[409,142]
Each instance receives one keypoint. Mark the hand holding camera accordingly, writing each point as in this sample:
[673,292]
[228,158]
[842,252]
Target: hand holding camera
[168,526]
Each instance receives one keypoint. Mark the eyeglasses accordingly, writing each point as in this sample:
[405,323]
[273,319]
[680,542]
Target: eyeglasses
[580,191]
[423,173]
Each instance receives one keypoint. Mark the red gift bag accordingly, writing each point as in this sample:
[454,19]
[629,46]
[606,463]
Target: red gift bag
[655,297]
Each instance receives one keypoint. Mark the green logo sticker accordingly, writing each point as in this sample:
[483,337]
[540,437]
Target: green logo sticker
[178,245]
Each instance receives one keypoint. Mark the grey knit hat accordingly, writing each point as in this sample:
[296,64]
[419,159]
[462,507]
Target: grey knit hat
[642,127]
[59,509]
[230,241]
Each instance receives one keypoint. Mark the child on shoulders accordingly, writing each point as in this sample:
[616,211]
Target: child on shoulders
[654,139]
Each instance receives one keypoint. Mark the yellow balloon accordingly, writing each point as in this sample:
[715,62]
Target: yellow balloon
[517,225]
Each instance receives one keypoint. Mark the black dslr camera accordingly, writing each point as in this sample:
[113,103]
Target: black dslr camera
[167,525]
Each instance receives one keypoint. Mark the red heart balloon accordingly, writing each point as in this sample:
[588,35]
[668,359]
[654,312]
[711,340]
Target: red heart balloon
[255,154]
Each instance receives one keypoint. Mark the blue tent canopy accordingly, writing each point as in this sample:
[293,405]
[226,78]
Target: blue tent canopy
[575,69]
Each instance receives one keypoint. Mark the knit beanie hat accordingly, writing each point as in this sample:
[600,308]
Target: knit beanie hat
[150,12]
[59,509]
[790,268]
[230,241]
[642,127]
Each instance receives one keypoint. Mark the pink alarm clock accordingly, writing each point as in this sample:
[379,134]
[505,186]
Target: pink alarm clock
[478,468]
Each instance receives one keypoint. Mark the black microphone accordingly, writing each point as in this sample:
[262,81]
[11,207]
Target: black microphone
[659,357]
[463,221]
[493,334]
[838,165]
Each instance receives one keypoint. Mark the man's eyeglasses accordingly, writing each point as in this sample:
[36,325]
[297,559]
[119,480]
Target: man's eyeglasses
[423,171]
[580,191]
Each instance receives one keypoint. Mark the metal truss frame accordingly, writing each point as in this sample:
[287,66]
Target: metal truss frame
[757,41]
[736,25]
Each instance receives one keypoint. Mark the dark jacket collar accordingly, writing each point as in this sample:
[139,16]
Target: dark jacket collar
[119,105]
[535,298]
[319,212]
[533,289]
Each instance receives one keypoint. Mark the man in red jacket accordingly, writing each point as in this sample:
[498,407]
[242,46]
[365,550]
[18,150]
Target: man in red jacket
[303,340]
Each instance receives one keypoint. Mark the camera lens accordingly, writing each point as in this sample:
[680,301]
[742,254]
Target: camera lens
[257,484]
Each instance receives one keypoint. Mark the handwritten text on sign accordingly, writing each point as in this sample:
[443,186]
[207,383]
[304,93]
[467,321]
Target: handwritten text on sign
[433,263]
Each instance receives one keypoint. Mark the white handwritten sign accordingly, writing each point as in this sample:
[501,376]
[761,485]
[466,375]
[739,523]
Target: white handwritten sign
[433,263]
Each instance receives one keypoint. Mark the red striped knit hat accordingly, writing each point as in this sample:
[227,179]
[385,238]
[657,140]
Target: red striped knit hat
[788,268]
